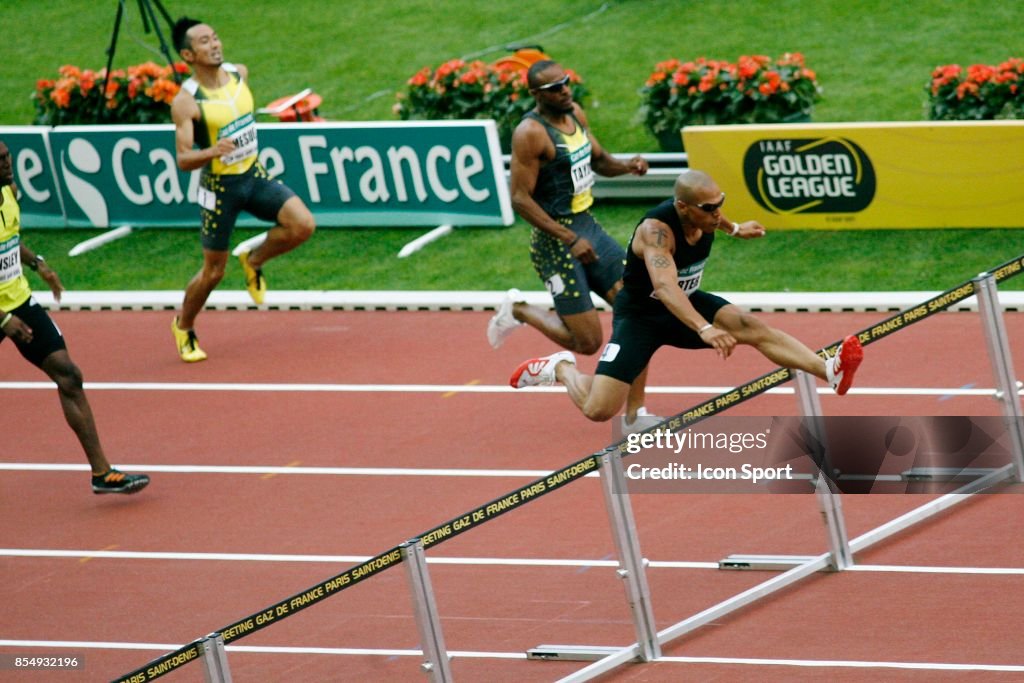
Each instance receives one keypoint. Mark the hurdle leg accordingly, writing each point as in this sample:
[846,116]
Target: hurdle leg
[1002,366]
[631,562]
[828,499]
[214,659]
[427,620]
[631,571]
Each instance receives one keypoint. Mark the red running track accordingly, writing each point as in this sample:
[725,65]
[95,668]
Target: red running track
[862,616]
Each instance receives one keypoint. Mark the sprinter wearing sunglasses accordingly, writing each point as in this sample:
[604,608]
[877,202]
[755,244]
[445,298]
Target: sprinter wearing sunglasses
[555,157]
[661,304]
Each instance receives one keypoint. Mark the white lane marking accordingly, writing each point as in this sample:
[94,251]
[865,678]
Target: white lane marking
[277,469]
[470,561]
[466,389]
[381,652]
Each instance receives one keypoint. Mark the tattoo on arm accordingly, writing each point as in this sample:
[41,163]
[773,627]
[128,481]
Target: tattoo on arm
[660,261]
[660,235]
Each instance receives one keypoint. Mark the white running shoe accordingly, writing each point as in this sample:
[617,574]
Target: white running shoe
[644,420]
[539,372]
[840,368]
[503,323]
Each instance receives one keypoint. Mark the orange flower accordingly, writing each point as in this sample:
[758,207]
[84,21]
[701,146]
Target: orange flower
[748,67]
[966,88]
[62,98]
[980,73]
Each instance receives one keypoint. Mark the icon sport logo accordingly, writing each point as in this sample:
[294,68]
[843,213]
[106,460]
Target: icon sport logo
[808,175]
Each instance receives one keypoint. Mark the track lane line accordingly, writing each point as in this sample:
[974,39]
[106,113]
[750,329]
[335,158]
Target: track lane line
[471,654]
[468,388]
[466,561]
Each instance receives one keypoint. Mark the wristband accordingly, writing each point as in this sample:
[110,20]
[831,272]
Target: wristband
[735,230]
[6,319]
[573,243]
[705,328]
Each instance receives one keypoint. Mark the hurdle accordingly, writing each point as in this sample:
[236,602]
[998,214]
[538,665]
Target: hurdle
[608,463]
[841,551]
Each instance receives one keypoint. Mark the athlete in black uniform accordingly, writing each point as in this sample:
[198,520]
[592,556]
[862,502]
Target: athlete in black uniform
[661,303]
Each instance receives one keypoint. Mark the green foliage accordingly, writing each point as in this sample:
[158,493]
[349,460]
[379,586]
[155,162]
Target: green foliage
[473,90]
[358,54]
[487,259]
[756,89]
[139,94]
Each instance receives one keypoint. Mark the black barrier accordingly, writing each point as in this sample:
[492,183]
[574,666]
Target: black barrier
[544,485]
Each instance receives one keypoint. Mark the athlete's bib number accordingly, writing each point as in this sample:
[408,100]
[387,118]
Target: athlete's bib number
[690,283]
[242,132]
[582,175]
[688,279]
[10,260]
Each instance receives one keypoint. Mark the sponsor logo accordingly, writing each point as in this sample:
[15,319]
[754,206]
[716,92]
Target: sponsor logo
[808,175]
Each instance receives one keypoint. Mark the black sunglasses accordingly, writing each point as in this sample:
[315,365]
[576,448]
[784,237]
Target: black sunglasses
[554,85]
[711,208]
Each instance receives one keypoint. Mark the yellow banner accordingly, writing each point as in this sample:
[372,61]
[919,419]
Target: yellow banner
[936,174]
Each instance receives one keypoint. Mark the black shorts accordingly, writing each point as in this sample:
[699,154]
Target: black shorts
[252,191]
[569,281]
[46,336]
[635,337]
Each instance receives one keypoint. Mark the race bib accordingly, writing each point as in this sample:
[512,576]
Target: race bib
[242,132]
[206,199]
[688,278]
[10,260]
[555,285]
[580,170]
[610,353]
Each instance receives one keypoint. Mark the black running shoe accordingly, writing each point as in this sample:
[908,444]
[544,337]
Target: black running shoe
[116,481]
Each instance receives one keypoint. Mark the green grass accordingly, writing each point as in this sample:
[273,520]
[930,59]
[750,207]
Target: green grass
[872,57]
[488,259]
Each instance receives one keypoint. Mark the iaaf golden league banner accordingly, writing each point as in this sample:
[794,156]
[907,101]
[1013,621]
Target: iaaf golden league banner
[948,174]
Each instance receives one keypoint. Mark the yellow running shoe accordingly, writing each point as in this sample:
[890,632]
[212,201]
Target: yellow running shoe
[187,343]
[254,280]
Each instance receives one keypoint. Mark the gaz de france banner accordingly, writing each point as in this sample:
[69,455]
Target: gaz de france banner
[867,175]
[349,174]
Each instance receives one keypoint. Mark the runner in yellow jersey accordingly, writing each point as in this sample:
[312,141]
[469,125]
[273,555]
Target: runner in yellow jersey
[40,341]
[215,130]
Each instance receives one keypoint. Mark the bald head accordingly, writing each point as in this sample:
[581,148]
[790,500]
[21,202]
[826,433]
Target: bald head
[693,184]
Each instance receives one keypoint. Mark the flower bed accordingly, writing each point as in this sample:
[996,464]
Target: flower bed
[472,90]
[138,94]
[977,93]
[756,89]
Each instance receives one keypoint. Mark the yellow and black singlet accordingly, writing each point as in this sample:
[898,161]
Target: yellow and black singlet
[226,112]
[563,184]
[14,287]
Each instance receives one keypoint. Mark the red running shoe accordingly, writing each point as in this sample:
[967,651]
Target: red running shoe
[841,367]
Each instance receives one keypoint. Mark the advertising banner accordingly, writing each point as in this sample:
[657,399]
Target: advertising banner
[349,174]
[947,174]
[38,194]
